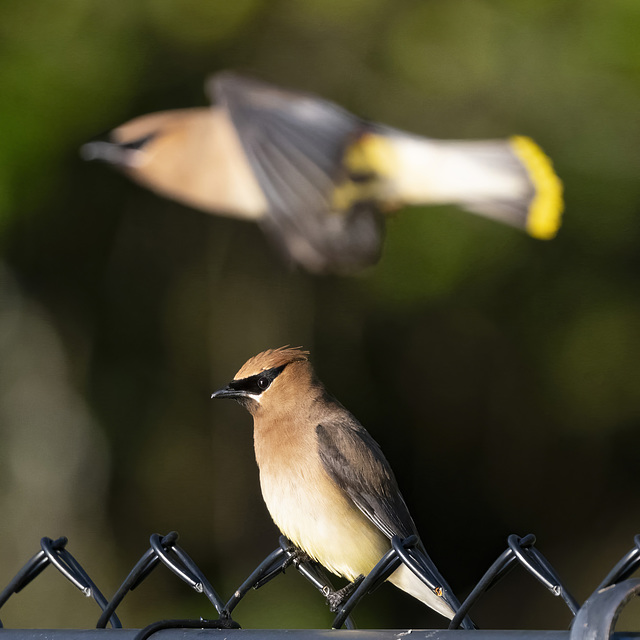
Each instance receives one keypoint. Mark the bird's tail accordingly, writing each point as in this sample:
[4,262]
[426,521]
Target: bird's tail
[405,579]
[443,601]
[509,180]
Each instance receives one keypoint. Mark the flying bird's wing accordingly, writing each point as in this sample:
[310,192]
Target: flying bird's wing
[296,144]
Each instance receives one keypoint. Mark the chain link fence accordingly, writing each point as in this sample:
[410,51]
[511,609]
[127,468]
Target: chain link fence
[593,620]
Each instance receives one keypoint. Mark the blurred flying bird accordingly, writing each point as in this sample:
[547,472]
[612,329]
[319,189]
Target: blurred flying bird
[319,179]
[326,483]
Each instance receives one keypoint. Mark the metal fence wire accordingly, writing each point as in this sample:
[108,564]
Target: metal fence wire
[593,620]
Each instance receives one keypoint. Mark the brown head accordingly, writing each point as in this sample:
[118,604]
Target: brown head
[274,381]
[191,155]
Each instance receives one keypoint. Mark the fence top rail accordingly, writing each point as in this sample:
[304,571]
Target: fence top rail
[294,634]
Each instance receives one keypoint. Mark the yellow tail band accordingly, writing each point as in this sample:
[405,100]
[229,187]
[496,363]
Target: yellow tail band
[545,210]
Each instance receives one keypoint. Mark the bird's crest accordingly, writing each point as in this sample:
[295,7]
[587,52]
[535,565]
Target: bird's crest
[271,358]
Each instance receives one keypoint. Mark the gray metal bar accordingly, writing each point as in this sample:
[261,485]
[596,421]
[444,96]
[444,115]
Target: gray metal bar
[292,634]
[598,615]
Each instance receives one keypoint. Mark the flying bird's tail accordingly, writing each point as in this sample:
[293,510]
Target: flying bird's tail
[510,180]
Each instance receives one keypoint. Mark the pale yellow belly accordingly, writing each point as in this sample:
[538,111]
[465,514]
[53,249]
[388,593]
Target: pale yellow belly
[317,517]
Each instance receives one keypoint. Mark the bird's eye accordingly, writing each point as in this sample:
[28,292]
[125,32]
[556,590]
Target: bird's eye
[263,382]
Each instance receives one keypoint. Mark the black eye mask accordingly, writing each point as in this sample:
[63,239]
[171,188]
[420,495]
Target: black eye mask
[258,383]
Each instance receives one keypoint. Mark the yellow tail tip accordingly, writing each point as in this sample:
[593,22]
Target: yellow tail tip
[545,211]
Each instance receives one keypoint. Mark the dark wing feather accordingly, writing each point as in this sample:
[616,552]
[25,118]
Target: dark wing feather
[295,144]
[354,461]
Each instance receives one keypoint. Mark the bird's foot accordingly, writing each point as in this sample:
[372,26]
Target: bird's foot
[296,557]
[335,599]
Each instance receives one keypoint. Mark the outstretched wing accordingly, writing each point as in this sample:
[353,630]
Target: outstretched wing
[296,144]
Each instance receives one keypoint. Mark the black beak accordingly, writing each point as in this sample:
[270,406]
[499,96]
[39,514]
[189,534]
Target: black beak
[228,392]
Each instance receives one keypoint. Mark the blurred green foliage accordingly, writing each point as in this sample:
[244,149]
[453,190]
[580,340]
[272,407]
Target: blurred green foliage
[500,374]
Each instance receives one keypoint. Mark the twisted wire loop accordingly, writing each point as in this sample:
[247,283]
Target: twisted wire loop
[54,552]
[522,551]
[625,567]
[163,549]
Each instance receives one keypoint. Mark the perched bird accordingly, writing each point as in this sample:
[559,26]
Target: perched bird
[320,179]
[324,479]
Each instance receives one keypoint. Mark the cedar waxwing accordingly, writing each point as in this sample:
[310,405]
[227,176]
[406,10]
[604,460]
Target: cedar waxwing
[320,179]
[326,483]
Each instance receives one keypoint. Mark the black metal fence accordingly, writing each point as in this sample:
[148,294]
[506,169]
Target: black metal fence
[593,620]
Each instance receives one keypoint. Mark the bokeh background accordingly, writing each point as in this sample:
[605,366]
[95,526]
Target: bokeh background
[500,374]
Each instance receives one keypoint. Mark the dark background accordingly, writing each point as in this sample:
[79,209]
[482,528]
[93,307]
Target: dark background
[499,373]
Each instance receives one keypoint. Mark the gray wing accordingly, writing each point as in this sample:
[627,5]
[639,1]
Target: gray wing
[354,461]
[295,144]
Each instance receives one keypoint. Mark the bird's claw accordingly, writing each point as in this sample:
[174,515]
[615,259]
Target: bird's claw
[296,557]
[335,599]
